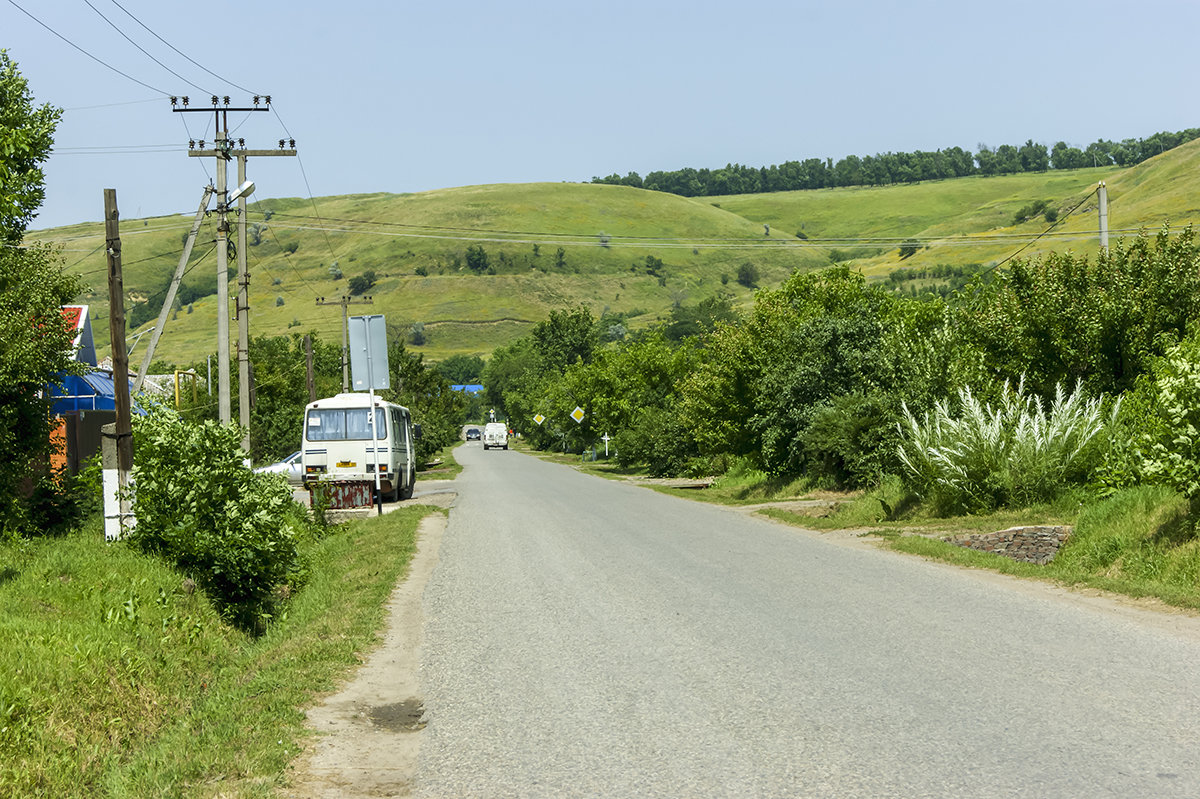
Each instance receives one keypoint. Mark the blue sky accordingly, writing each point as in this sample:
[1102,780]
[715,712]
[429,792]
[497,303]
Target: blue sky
[402,96]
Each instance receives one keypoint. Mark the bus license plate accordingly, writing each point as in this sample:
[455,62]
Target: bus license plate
[346,464]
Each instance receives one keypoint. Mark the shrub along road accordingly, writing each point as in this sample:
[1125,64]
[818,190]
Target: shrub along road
[586,637]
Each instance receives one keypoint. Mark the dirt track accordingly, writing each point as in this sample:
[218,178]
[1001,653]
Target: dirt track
[369,733]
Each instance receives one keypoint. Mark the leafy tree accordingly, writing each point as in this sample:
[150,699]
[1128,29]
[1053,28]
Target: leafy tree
[747,275]
[33,287]
[477,259]
[1064,157]
[280,393]
[760,384]
[461,369]
[507,373]
[424,391]
[909,249]
[699,319]
[26,136]
[1034,157]
[361,284]
[567,337]
[1065,318]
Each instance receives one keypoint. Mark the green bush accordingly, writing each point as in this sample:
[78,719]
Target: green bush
[849,439]
[199,507]
[1018,452]
[658,439]
[1172,448]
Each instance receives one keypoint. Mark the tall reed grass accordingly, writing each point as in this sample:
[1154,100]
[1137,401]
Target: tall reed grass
[973,457]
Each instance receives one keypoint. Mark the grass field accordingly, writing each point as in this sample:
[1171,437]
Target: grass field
[118,680]
[417,246]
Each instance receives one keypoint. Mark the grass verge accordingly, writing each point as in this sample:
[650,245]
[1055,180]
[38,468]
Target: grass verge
[120,681]
[1139,542]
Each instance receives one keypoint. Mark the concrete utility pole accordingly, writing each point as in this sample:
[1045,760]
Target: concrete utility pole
[1102,194]
[345,302]
[116,469]
[224,151]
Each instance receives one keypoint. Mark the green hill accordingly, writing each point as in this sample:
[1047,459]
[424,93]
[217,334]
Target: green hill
[551,245]
[970,220]
[548,245]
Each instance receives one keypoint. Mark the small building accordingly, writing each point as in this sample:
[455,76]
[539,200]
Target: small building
[83,403]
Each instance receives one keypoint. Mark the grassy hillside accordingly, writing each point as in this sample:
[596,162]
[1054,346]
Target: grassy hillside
[970,220]
[605,234]
[551,245]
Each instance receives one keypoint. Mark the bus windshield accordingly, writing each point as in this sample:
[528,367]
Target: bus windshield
[343,424]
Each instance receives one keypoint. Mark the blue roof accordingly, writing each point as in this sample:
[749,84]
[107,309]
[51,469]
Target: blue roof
[91,391]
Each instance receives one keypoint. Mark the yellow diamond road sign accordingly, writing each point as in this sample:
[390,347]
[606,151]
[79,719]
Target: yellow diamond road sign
[539,418]
[577,414]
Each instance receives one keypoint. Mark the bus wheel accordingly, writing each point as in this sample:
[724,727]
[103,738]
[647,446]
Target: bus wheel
[407,492]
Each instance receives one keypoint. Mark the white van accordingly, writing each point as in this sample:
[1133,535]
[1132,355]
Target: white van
[495,434]
[339,449]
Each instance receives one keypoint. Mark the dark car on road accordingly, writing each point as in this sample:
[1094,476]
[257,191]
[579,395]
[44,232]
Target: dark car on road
[473,434]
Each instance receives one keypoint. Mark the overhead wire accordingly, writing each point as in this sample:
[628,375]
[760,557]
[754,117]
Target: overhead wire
[141,49]
[304,175]
[1062,218]
[98,60]
[590,239]
[111,105]
[179,52]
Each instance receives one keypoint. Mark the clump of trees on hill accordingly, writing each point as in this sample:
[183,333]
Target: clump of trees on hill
[884,169]
[842,381]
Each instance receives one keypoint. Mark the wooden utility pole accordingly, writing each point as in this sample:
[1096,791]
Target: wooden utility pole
[345,302]
[117,456]
[116,332]
[224,151]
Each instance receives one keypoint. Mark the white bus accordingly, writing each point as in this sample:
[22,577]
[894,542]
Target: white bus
[339,448]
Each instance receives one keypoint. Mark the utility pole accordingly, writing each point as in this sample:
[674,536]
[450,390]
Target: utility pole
[309,377]
[345,302]
[223,151]
[116,510]
[1102,193]
[170,299]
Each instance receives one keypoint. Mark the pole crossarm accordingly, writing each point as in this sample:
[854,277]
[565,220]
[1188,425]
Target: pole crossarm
[236,153]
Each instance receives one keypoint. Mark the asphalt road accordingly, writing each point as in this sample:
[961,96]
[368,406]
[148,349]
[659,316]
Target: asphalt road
[586,637]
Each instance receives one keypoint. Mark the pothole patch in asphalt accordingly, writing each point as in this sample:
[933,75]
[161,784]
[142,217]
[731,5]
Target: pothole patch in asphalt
[406,716]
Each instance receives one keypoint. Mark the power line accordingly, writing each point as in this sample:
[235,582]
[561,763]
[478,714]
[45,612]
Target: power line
[589,239]
[111,105]
[86,53]
[141,49]
[717,244]
[1054,224]
[304,174]
[168,44]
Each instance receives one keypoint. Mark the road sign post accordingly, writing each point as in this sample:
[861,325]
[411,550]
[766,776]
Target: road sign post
[369,370]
